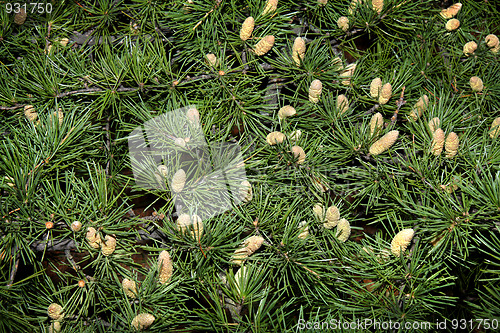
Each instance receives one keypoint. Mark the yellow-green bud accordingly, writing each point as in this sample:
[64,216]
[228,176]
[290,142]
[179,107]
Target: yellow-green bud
[298,50]
[401,241]
[247,28]
[437,142]
[385,94]
[384,143]
[264,45]
[476,84]
[376,123]
[274,138]
[315,91]
[451,145]
[343,230]
[452,24]
[495,128]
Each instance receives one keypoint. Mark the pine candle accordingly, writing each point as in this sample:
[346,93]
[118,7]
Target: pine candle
[437,142]
[319,212]
[376,123]
[495,128]
[298,50]
[274,138]
[347,74]
[246,193]
[476,84]
[165,267]
[434,124]
[384,143]
[451,11]
[342,103]
[401,241]
[142,321]
[493,43]
[378,5]
[375,87]
[286,111]
[385,94]
[315,91]
[129,288]
[343,230]
[452,24]
[332,217]
[249,246]
[469,48]
[271,7]
[178,181]
[343,23]
[264,45]
[304,230]
[20,17]
[108,246]
[30,113]
[55,311]
[212,59]
[186,222]
[247,28]
[451,145]
[76,226]
[299,154]
[193,116]
[419,107]
[93,237]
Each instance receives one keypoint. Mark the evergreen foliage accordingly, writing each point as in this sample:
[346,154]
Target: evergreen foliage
[76,79]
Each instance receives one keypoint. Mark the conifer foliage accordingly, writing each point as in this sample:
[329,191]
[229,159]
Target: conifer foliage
[368,134]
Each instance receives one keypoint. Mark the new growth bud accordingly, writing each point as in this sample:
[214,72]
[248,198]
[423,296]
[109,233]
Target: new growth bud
[375,87]
[419,107]
[315,91]
[178,181]
[286,111]
[384,143]
[249,246]
[108,246]
[129,288]
[452,24]
[247,28]
[342,104]
[298,50]
[343,230]
[385,94]
[451,11]
[142,321]
[451,145]
[274,138]
[476,84]
[264,45]
[376,123]
[401,241]
[299,154]
[343,23]
[495,128]
[165,267]
[437,142]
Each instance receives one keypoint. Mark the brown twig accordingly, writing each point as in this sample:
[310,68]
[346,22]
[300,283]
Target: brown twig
[399,104]
[14,268]
[75,266]
[218,2]
[373,109]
